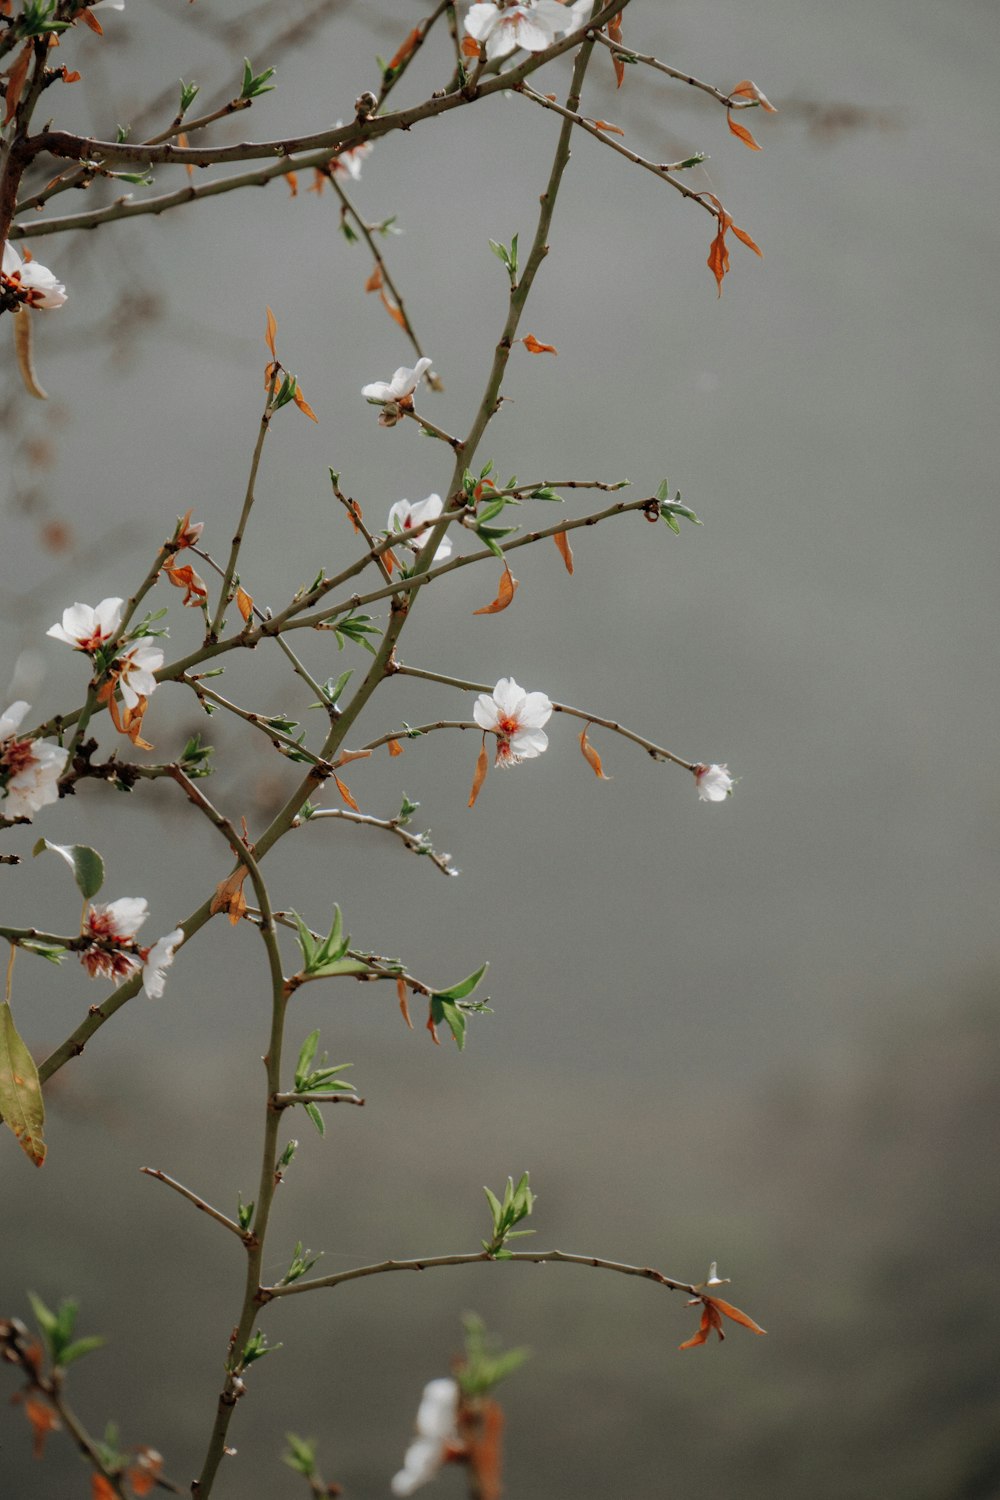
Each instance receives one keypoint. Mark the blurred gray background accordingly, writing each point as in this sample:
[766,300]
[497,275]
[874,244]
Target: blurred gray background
[764,1033]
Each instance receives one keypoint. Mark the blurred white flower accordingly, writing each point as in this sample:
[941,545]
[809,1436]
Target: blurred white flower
[714,783]
[516,718]
[135,669]
[531,25]
[437,1426]
[403,517]
[34,285]
[157,960]
[349,161]
[112,926]
[29,769]
[86,628]
[400,387]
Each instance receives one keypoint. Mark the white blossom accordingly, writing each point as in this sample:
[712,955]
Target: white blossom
[32,767]
[349,161]
[157,960]
[135,669]
[112,926]
[34,285]
[86,628]
[437,1426]
[714,783]
[516,718]
[403,517]
[401,386]
[531,25]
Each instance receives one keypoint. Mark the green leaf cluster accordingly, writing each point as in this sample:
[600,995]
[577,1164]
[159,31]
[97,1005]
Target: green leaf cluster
[445,1005]
[301,1455]
[485,1363]
[356,628]
[57,1330]
[508,257]
[302,1262]
[517,1205]
[256,1347]
[324,957]
[255,84]
[318,1080]
[671,509]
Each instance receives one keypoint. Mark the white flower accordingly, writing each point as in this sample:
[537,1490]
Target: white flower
[157,960]
[516,718]
[112,926]
[403,517]
[108,5]
[437,1426]
[32,284]
[88,629]
[349,161]
[32,768]
[578,13]
[400,387]
[531,25]
[714,783]
[135,669]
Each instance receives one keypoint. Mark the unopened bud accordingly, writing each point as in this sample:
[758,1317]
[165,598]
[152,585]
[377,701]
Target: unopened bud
[365,105]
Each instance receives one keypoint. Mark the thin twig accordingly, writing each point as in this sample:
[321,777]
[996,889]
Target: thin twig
[206,1208]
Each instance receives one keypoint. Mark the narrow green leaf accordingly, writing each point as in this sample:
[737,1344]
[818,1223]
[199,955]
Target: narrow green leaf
[306,1055]
[20,1091]
[86,864]
[463,988]
[81,1347]
[44,1316]
[315,1115]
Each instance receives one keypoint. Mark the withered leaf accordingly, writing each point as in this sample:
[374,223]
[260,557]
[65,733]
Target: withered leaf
[395,748]
[374,281]
[43,1421]
[482,766]
[534,347]
[20,1091]
[565,550]
[272,328]
[610,129]
[404,1001]
[615,33]
[229,895]
[244,603]
[16,74]
[303,405]
[100,1487]
[182,140]
[405,50]
[591,756]
[292,178]
[346,756]
[505,593]
[23,355]
[342,789]
[742,133]
[395,313]
[747,89]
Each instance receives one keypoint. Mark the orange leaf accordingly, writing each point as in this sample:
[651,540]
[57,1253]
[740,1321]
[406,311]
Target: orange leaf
[133,718]
[16,75]
[741,234]
[272,328]
[374,281]
[482,766]
[244,603]
[485,1450]
[742,133]
[182,140]
[354,511]
[747,89]
[718,256]
[710,1319]
[229,895]
[470,47]
[395,748]
[607,126]
[565,550]
[341,788]
[185,577]
[292,178]
[395,313]
[145,1471]
[303,405]
[405,50]
[346,756]
[433,1029]
[505,593]
[43,1421]
[737,1316]
[404,1003]
[101,1488]
[534,347]
[591,756]
[615,33]
[92,22]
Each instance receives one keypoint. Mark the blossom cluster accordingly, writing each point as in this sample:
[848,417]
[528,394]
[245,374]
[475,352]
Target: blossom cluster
[436,1431]
[29,283]
[533,25]
[113,953]
[29,769]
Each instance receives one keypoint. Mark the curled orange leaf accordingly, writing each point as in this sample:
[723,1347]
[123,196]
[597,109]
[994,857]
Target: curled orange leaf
[742,133]
[404,1002]
[565,550]
[101,1488]
[712,1311]
[292,178]
[16,74]
[272,328]
[534,347]
[43,1421]
[395,748]
[229,895]
[182,140]
[406,50]
[607,126]
[395,312]
[591,756]
[470,47]
[185,577]
[346,756]
[24,356]
[374,281]
[482,766]
[303,405]
[145,1470]
[354,511]
[615,33]
[244,603]
[747,89]
[505,593]
[342,789]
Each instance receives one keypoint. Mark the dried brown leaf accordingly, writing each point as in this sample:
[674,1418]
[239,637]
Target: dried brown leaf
[405,50]
[395,748]
[23,354]
[303,405]
[615,33]
[395,312]
[534,347]
[565,550]
[272,328]
[591,756]
[374,282]
[16,74]
[482,766]
[505,593]
[742,133]
[404,1001]
[342,789]
[244,603]
[346,756]
[43,1421]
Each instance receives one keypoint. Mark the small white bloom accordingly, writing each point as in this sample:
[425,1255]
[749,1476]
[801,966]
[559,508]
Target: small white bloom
[112,926]
[400,387]
[135,669]
[157,961]
[403,517]
[32,768]
[531,25]
[516,718]
[32,284]
[108,5]
[349,161]
[86,628]
[714,783]
[437,1426]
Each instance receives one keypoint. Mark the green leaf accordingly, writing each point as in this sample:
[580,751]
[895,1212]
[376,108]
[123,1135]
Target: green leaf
[301,1455]
[20,1091]
[86,864]
[306,940]
[80,1347]
[44,1316]
[444,1010]
[255,84]
[306,1055]
[315,1115]
[663,491]
[54,954]
[495,1208]
[188,92]
[463,988]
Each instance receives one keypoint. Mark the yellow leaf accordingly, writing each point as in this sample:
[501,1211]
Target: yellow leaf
[20,1091]
[505,593]
[244,603]
[482,766]
[565,550]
